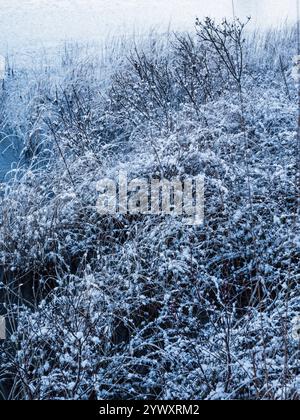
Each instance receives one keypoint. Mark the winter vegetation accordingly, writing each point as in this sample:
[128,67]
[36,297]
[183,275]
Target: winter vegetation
[146,307]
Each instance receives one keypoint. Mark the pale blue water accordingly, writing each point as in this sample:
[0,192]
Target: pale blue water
[24,22]
[9,154]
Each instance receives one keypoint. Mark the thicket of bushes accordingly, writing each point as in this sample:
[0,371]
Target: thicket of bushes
[146,307]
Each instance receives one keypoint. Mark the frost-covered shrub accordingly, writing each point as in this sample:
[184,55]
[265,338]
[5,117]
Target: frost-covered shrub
[144,306]
[121,336]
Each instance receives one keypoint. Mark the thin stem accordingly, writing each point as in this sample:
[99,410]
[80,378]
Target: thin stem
[298,128]
[233,9]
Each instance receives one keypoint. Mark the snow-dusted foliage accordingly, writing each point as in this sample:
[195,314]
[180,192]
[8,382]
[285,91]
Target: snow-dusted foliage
[144,306]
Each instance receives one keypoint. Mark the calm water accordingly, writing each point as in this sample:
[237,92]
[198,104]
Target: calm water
[28,25]
[8,155]
[24,22]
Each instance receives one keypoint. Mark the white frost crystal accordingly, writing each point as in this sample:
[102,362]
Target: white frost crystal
[296,68]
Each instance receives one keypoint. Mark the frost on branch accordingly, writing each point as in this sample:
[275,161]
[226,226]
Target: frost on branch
[145,307]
